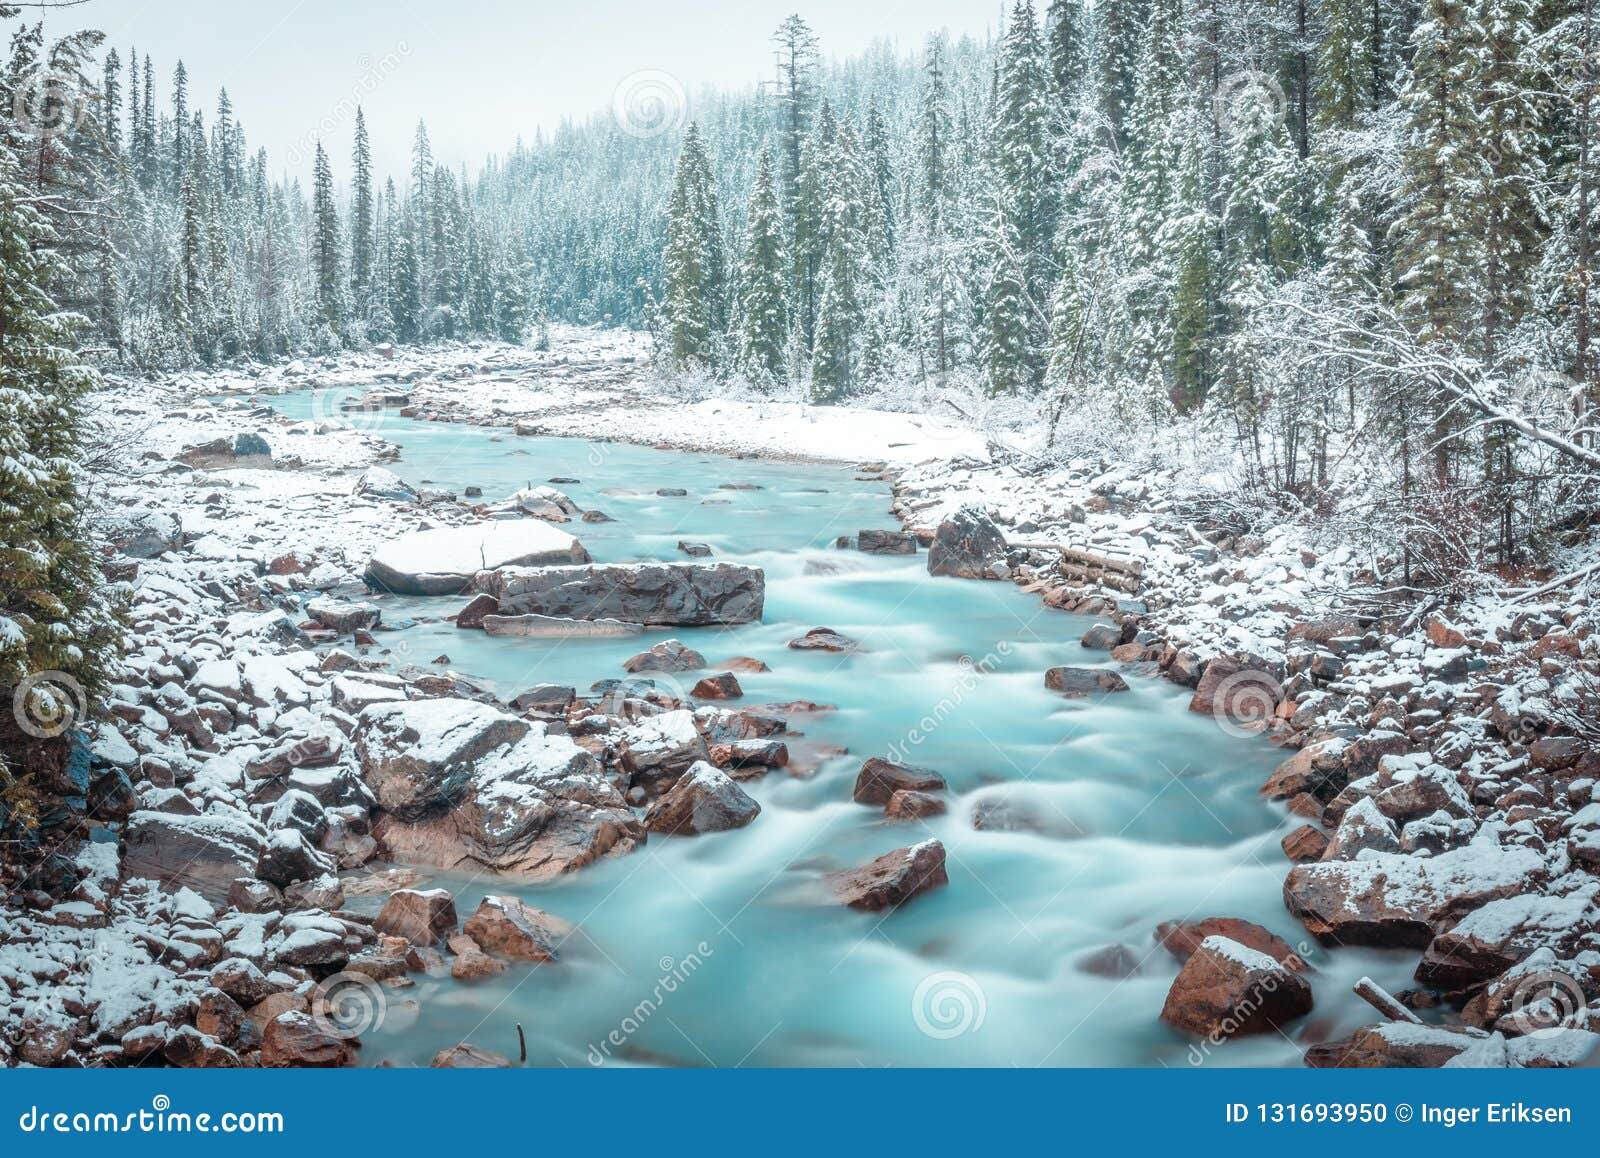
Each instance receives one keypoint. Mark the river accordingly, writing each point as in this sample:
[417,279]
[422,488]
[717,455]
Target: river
[711,950]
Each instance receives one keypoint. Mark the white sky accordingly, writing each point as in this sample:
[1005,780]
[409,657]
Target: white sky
[479,71]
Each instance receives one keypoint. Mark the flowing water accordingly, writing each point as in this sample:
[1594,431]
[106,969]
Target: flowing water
[714,950]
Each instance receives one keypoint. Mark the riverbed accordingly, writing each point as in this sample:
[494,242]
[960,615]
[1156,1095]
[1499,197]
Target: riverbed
[714,950]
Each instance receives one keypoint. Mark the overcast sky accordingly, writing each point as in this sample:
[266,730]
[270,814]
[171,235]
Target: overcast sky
[479,71]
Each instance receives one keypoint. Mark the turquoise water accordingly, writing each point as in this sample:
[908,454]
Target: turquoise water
[714,950]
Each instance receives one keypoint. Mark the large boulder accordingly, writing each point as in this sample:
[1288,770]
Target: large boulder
[298,1040]
[418,756]
[1394,900]
[468,787]
[444,560]
[704,799]
[967,545]
[662,594]
[377,482]
[892,879]
[203,853]
[659,749]
[421,916]
[1487,942]
[1395,1045]
[1226,989]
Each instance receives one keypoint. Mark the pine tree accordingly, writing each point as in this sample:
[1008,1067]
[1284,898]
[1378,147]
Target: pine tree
[763,313]
[809,233]
[1438,235]
[689,283]
[796,47]
[56,629]
[842,308]
[362,239]
[1117,27]
[325,256]
[1067,36]
[1027,204]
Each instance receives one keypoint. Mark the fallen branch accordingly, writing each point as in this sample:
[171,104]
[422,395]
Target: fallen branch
[1383,1001]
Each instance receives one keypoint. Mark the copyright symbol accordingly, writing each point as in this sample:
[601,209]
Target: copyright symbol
[1402,1112]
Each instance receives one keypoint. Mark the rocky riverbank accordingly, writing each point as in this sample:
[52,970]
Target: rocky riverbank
[1445,758]
[270,748]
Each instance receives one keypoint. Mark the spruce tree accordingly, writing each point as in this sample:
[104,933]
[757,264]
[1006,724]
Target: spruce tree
[688,295]
[56,629]
[362,237]
[325,255]
[842,307]
[763,313]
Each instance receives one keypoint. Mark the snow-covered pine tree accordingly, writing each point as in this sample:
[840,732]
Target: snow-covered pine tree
[326,256]
[362,236]
[763,313]
[688,282]
[1438,233]
[1026,198]
[56,628]
[842,307]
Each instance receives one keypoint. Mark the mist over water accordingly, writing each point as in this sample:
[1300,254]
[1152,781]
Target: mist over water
[716,950]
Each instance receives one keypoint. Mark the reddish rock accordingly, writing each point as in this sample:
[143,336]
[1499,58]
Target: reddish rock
[471,616]
[1304,844]
[1182,938]
[908,805]
[472,963]
[1128,652]
[1441,634]
[1226,990]
[506,926]
[1230,691]
[717,687]
[290,564]
[880,779]
[420,916]
[670,655]
[299,1040]
[1391,900]
[704,799]
[745,664]
[892,879]
[745,755]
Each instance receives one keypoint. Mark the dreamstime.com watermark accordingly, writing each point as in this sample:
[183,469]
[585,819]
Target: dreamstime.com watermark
[160,1118]
[973,672]
[948,1005]
[373,73]
[48,703]
[674,975]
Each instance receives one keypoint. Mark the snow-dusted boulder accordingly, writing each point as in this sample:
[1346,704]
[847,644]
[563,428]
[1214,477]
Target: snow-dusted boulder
[203,853]
[688,594]
[466,786]
[377,482]
[443,561]
[1392,900]
[704,799]
[659,749]
[417,756]
[967,545]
